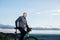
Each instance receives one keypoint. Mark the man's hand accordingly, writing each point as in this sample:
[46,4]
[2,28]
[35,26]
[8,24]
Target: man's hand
[29,29]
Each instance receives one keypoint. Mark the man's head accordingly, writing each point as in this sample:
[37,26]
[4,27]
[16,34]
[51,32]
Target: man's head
[25,14]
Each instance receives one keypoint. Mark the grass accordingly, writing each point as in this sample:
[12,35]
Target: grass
[39,36]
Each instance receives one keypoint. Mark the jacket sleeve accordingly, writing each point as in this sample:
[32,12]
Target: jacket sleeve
[27,25]
[17,21]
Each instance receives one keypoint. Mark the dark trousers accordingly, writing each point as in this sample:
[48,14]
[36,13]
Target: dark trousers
[23,33]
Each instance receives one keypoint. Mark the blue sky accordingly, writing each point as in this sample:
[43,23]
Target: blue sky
[41,13]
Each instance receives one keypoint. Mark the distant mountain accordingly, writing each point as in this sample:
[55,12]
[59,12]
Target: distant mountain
[12,27]
[46,28]
[6,26]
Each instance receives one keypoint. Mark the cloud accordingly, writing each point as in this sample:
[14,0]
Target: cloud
[33,11]
[48,12]
[53,12]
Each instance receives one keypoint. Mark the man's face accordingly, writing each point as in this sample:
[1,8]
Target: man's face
[25,14]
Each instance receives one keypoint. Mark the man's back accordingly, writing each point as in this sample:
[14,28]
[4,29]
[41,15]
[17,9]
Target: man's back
[21,21]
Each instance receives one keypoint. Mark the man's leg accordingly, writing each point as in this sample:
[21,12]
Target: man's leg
[23,32]
[22,36]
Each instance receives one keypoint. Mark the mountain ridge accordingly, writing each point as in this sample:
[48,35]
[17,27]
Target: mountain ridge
[12,27]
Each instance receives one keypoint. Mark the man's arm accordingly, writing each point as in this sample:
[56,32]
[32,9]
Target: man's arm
[27,25]
[17,21]
[28,28]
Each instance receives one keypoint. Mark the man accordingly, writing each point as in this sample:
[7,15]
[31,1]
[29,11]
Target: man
[21,23]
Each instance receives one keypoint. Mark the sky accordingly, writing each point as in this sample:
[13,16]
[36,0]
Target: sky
[41,13]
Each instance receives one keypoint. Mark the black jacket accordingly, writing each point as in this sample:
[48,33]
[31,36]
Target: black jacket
[21,22]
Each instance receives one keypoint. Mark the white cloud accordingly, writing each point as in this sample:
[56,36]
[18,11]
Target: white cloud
[55,14]
[33,11]
[52,12]
[49,12]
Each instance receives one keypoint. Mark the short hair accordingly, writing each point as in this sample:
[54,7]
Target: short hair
[24,13]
